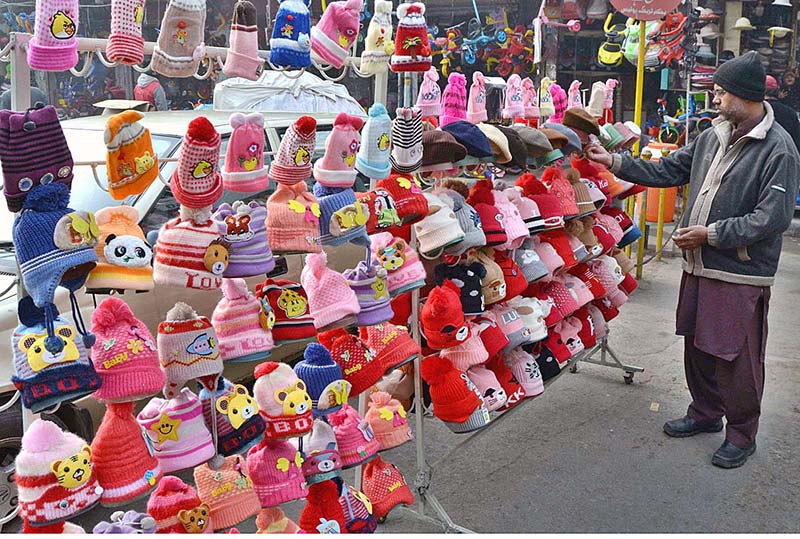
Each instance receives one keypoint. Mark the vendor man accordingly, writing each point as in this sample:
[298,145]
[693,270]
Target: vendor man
[743,180]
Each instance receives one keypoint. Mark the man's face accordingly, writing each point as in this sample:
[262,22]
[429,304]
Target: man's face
[730,107]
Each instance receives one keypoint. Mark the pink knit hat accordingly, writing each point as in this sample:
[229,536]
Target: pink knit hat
[124,354]
[125,43]
[405,271]
[429,100]
[177,508]
[177,431]
[354,436]
[282,400]
[492,392]
[516,229]
[196,182]
[54,46]
[190,251]
[228,492]
[469,353]
[525,370]
[476,107]
[293,219]
[579,290]
[235,320]
[529,100]
[242,59]
[274,520]
[331,301]
[548,255]
[559,102]
[275,468]
[513,106]
[321,457]
[574,100]
[337,167]
[392,343]
[387,417]
[454,99]
[244,159]
[292,163]
[336,31]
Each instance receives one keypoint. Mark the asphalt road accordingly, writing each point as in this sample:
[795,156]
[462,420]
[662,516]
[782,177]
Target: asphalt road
[589,454]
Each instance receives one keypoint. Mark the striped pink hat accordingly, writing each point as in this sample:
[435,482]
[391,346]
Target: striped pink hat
[454,99]
[190,251]
[197,181]
[236,322]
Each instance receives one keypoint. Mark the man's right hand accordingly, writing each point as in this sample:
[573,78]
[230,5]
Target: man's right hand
[598,154]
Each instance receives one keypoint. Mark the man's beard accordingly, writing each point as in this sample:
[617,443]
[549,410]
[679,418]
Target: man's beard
[733,114]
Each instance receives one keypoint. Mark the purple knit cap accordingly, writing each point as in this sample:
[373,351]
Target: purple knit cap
[246,229]
[372,292]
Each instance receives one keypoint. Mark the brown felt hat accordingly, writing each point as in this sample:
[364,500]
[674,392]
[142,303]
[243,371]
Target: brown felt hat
[440,147]
[577,118]
[557,140]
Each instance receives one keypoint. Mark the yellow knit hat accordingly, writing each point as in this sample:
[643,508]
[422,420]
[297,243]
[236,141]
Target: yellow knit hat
[131,163]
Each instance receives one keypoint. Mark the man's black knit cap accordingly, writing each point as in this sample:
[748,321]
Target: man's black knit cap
[743,77]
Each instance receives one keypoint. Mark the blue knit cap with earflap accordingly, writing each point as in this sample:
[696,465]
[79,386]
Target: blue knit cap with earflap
[317,369]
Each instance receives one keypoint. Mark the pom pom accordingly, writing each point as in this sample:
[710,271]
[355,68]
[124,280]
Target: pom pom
[235,288]
[181,311]
[316,354]
[354,5]
[88,340]
[380,398]
[377,109]
[42,436]
[53,344]
[530,185]
[262,369]
[201,130]
[328,338]
[478,78]
[317,262]
[551,175]
[481,193]
[306,125]
[432,75]
[458,186]
[341,416]
[111,312]
[573,175]
[457,79]
[435,369]
[47,197]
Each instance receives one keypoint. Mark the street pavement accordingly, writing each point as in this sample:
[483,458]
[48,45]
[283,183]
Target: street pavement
[589,454]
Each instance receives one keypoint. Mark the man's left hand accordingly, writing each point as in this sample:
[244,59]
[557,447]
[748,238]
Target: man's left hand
[691,237]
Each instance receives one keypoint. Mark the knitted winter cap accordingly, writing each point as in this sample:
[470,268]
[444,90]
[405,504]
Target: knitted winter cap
[236,323]
[469,136]
[284,309]
[587,333]
[187,347]
[321,459]
[292,163]
[513,106]
[525,370]
[228,492]
[456,400]
[511,386]
[511,324]
[407,194]
[318,371]
[497,141]
[356,508]
[245,171]
[331,301]
[393,344]
[197,182]
[343,219]
[387,417]
[124,461]
[557,183]
[124,354]
[372,159]
[546,106]
[412,51]
[282,400]
[293,219]
[536,142]
[430,95]
[468,221]
[378,45]
[177,431]
[515,280]
[190,251]
[515,228]
[530,101]
[385,487]
[590,279]
[354,436]
[407,149]
[482,199]
[275,469]
[290,44]
[442,319]
[131,162]
[467,354]
[244,226]
[454,99]
[467,277]
[53,474]
[440,150]
[579,290]
[242,59]
[43,377]
[560,242]
[476,105]
[559,102]
[528,209]
[336,31]
[493,394]
[358,362]
[337,167]
[405,272]
[54,46]
[532,311]
[53,243]
[743,76]
[125,43]
[177,508]
[180,43]
[600,325]
[123,255]
[439,229]
[493,338]
[493,284]
[230,409]
[369,282]
[322,512]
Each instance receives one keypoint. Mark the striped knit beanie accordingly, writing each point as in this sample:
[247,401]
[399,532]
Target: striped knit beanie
[54,476]
[368,281]
[292,163]
[197,182]
[356,508]
[284,309]
[125,44]
[406,157]
[124,461]
[290,44]
[245,229]
[190,251]
[187,348]
[454,99]
[318,371]
[178,509]
[228,492]
[124,258]
[336,32]
[235,320]
[239,426]
[177,432]
[33,151]
[340,216]
[293,219]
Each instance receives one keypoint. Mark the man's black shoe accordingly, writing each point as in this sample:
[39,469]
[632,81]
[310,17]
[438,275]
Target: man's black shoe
[730,456]
[686,426]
